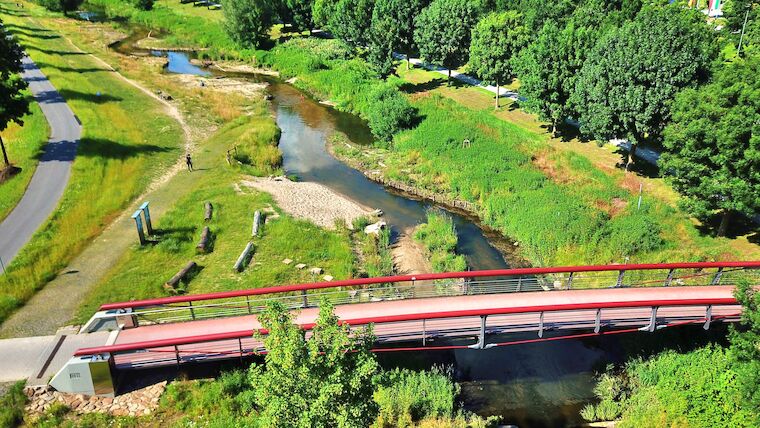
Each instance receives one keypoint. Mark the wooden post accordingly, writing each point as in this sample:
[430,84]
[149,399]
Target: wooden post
[209,211]
[138,223]
[146,213]
[243,256]
[172,284]
[256,221]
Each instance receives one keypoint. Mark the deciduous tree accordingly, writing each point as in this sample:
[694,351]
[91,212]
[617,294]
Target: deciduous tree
[300,14]
[248,21]
[351,21]
[496,40]
[13,103]
[443,32]
[326,381]
[713,144]
[630,77]
[393,26]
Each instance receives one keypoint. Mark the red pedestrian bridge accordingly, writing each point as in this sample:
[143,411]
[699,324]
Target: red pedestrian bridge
[459,310]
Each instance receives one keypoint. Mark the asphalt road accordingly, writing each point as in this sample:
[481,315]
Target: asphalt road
[53,171]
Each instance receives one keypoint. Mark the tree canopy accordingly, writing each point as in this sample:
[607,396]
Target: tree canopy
[325,381]
[248,21]
[443,32]
[496,40]
[351,21]
[299,14]
[633,73]
[393,30]
[713,144]
[13,103]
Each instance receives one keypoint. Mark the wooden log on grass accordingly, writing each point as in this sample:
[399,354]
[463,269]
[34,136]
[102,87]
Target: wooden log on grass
[202,246]
[256,222]
[241,261]
[172,284]
[209,211]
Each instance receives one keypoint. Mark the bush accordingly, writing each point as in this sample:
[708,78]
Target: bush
[439,237]
[388,112]
[144,4]
[406,397]
[12,406]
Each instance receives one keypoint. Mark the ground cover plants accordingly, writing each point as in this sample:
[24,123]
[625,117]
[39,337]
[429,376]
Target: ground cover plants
[127,141]
[439,238]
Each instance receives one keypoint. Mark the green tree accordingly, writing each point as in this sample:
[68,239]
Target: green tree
[322,10]
[389,111]
[64,6]
[326,381]
[745,347]
[633,73]
[13,104]
[713,144]
[351,22]
[300,14]
[743,15]
[144,4]
[496,40]
[248,21]
[443,32]
[393,27]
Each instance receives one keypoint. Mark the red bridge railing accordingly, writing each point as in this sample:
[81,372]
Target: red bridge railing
[363,290]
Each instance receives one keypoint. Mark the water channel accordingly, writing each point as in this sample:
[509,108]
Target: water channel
[535,385]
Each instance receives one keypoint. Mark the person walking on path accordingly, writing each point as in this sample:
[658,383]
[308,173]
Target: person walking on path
[189,162]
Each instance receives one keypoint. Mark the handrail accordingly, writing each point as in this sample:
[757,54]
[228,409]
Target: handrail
[422,277]
[135,346]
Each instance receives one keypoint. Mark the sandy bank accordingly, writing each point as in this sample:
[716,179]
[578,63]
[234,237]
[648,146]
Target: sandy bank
[310,201]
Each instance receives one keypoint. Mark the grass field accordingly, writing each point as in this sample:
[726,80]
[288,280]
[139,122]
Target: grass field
[439,238]
[23,144]
[127,142]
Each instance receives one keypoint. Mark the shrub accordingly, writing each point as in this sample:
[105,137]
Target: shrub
[144,4]
[388,112]
[12,406]
[406,397]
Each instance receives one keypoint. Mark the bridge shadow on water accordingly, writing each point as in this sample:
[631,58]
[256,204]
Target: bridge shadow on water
[542,384]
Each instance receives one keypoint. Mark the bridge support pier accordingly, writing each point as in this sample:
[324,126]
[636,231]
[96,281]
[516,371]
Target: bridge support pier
[482,337]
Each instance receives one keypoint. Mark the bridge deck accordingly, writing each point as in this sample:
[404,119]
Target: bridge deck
[510,313]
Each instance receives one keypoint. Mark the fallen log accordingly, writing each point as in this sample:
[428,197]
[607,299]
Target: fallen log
[173,284]
[202,246]
[241,261]
[209,211]
[256,222]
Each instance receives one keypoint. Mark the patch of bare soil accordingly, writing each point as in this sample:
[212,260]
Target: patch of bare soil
[311,201]
[408,256]
[235,67]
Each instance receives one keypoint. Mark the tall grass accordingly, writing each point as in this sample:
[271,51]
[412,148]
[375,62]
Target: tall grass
[127,140]
[24,146]
[439,238]
[12,405]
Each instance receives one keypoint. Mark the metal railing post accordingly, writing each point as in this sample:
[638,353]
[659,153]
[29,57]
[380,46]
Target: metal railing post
[598,321]
[570,280]
[192,311]
[669,279]
[708,317]
[305,299]
[519,283]
[176,354]
[482,336]
[424,334]
[652,321]
[248,303]
[240,345]
[541,325]
[620,279]
[716,278]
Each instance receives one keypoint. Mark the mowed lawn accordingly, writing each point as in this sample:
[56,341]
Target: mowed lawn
[127,142]
[23,144]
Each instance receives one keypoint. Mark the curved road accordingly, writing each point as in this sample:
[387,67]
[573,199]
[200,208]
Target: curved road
[52,173]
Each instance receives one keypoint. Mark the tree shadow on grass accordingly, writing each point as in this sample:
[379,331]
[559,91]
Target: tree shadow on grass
[69,94]
[72,69]
[740,225]
[108,149]
[54,52]
[416,88]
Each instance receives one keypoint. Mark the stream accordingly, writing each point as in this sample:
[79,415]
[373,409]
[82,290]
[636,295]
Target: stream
[534,385]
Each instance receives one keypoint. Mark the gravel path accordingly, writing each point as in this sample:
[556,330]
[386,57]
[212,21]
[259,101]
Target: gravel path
[311,201]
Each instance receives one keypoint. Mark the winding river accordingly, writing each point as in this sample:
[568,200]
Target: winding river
[540,384]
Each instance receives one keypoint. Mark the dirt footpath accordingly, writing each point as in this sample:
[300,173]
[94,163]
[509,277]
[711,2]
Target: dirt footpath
[310,201]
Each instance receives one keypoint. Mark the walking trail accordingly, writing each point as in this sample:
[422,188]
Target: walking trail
[52,174]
